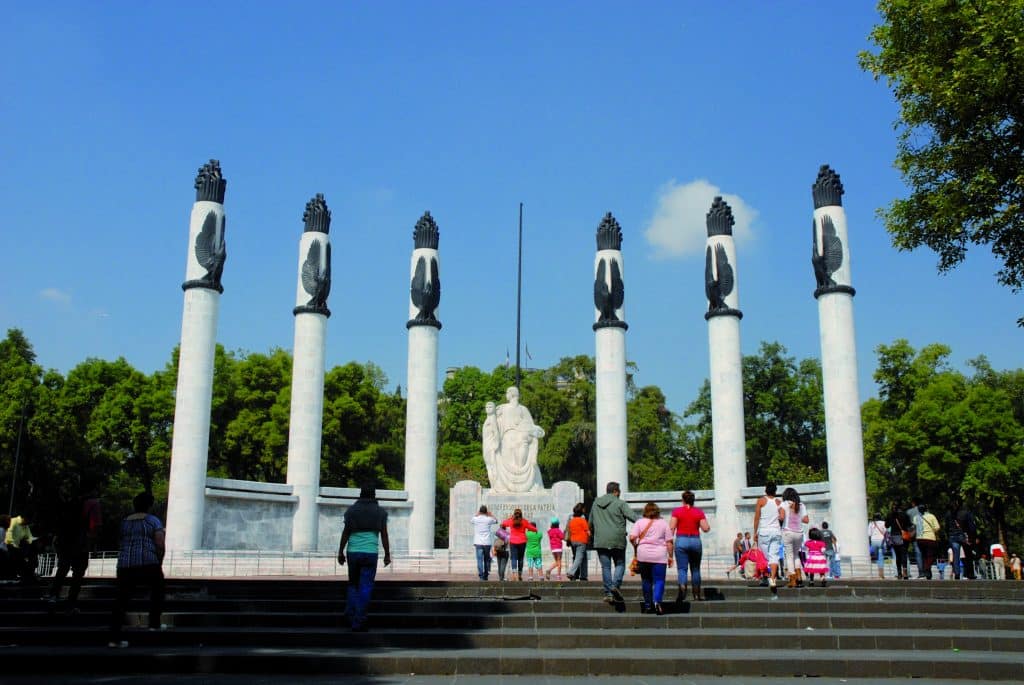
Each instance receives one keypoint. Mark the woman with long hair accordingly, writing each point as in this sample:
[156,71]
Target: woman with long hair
[652,542]
[793,534]
[896,524]
[687,523]
[517,527]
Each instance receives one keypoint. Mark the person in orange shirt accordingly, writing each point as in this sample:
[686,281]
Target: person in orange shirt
[578,532]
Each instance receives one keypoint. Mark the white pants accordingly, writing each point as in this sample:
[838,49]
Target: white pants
[791,543]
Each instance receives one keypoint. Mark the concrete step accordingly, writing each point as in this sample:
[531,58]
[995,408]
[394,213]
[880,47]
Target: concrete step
[543,604]
[470,616]
[860,629]
[284,588]
[654,637]
[596,660]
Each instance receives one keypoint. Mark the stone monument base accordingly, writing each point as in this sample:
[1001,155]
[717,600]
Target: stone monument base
[538,507]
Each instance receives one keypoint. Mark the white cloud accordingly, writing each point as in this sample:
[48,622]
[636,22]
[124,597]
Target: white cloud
[55,295]
[679,226]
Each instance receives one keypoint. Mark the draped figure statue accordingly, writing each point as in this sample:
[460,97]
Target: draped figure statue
[510,446]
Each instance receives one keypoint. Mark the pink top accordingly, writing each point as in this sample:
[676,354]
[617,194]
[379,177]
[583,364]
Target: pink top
[794,522]
[815,546]
[555,537]
[652,547]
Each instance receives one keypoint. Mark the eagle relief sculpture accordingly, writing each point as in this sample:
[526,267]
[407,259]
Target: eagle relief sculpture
[316,277]
[609,290]
[425,288]
[315,273]
[608,299]
[718,278]
[426,291]
[211,251]
[826,253]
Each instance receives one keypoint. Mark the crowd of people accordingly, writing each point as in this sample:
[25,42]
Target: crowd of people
[952,546]
[515,544]
[784,545]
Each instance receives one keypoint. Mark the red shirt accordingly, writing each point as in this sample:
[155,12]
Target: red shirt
[517,536]
[688,520]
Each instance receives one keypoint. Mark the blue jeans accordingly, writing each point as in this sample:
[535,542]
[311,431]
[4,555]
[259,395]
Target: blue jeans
[961,567]
[483,561]
[517,552]
[919,558]
[652,582]
[579,561]
[612,578]
[362,569]
[878,549]
[834,567]
[502,565]
[688,555]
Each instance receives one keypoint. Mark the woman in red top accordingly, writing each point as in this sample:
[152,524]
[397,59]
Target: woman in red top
[688,522]
[517,527]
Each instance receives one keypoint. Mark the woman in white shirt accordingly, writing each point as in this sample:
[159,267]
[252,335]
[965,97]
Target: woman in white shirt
[793,534]
[876,539]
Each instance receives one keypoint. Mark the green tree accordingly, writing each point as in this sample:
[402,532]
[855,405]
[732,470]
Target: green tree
[661,455]
[364,428]
[957,70]
[254,417]
[783,418]
[20,380]
[939,435]
[131,424]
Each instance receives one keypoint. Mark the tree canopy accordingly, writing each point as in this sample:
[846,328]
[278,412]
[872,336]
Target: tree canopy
[957,70]
[939,436]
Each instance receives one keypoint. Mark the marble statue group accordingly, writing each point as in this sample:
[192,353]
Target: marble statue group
[510,445]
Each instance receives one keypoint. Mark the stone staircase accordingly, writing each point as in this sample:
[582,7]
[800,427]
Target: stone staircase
[867,629]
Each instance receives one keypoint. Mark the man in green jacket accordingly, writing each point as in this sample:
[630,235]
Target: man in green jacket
[608,517]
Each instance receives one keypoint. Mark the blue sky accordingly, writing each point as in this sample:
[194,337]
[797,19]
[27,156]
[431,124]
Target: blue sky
[465,109]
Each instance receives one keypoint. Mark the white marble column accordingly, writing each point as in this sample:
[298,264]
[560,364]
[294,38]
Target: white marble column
[191,439]
[305,427]
[729,444]
[421,386]
[610,361]
[843,428]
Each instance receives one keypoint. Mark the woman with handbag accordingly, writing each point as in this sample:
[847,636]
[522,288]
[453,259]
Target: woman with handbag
[899,527]
[687,523]
[652,545]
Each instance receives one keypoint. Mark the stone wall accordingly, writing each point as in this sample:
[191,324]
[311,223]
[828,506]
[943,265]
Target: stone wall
[244,515]
[538,507]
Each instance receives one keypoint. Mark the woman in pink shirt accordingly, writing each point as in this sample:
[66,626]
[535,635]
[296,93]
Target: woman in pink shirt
[652,541]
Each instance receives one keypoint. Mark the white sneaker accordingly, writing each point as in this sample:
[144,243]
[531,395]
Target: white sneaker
[118,645]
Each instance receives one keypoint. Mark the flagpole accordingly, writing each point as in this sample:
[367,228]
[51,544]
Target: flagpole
[519,293]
